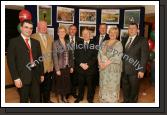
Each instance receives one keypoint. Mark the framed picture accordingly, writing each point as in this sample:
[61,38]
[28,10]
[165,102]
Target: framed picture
[87,16]
[123,34]
[66,26]
[131,16]
[92,29]
[109,26]
[51,32]
[65,15]
[110,16]
[45,13]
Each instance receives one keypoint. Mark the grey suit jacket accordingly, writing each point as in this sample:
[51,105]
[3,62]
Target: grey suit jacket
[58,55]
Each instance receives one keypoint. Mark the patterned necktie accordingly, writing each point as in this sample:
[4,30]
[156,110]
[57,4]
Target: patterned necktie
[129,43]
[30,51]
[101,40]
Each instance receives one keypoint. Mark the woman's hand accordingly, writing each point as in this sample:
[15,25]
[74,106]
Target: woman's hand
[58,73]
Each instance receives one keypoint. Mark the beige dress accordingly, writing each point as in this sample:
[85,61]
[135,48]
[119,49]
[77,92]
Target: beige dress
[109,83]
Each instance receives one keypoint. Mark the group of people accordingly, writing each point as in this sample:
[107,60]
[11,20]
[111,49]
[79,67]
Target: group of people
[104,61]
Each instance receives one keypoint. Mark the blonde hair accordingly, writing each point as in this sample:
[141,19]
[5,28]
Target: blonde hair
[115,29]
[62,27]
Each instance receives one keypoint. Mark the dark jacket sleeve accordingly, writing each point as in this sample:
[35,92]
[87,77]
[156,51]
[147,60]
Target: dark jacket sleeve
[144,54]
[41,66]
[11,60]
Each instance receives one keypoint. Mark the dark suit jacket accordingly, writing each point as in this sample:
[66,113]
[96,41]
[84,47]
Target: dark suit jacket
[18,58]
[88,56]
[138,51]
[96,39]
[77,39]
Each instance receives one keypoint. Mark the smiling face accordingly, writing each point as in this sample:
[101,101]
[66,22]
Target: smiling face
[42,27]
[113,33]
[61,32]
[132,30]
[86,34]
[26,29]
[103,29]
[72,30]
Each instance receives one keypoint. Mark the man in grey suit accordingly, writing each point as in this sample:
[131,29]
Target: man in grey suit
[135,58]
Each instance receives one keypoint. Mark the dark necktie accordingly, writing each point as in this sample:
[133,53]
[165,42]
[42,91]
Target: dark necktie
[129,43]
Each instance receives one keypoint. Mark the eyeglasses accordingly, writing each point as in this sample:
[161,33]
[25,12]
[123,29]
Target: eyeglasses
[26,27]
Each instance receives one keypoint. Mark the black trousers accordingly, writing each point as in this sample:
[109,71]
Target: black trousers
[74,83]
[130,86]
[30,92]
[45,87]
[90,81]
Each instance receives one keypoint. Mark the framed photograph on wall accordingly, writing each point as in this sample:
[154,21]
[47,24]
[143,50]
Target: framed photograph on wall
[87,16]
[131,16]
[92,29]
[65,25]
[109,26]
[65,15]
[110,16]
[123,34]
[44,12]
[51,32]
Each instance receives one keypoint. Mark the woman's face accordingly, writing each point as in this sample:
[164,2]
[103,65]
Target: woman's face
[113,34]
[62,33]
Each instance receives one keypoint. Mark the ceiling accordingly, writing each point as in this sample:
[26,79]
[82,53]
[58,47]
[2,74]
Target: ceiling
[149,9]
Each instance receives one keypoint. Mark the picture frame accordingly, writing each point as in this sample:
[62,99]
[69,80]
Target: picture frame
[110,16]
[92,28]
[65,14]
[66,26]
[87,16]
[44,12]
[131,16]
[123,34]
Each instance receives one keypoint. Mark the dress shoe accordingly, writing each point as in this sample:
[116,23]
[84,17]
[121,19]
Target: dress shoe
[77,100]
[90,101]
[74,95]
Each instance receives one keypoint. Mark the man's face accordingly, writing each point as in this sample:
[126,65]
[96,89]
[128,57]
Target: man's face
[42,27]
[132,30]
[72,30]
[86,35]
[103,29]
[26,29]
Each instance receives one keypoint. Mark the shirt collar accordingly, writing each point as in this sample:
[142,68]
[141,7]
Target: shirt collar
[24,37]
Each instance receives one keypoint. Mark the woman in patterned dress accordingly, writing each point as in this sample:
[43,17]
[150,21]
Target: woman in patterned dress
[110,64]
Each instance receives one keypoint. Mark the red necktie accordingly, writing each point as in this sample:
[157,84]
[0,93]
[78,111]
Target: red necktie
[30,51]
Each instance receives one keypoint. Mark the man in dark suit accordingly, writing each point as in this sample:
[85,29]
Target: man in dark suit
[99,39]
[73,39]
[135,58]
[25,64]
[86,58]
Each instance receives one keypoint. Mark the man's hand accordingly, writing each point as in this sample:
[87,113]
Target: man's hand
[18,83]
[58,73]
[42,78]
[140,74]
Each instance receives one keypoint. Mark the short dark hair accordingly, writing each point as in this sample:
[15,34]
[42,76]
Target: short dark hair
[103,24]
[26,21]
[72,26]
[133,23]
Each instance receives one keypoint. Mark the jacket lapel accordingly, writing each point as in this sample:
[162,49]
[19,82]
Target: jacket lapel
[134,43]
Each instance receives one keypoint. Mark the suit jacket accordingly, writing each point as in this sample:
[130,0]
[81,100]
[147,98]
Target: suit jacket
[139,52]
[88,56]
[18,58]
[96,38]
[58,55]
[46,51]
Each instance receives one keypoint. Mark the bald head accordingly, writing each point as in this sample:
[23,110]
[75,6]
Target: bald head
[42,27]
